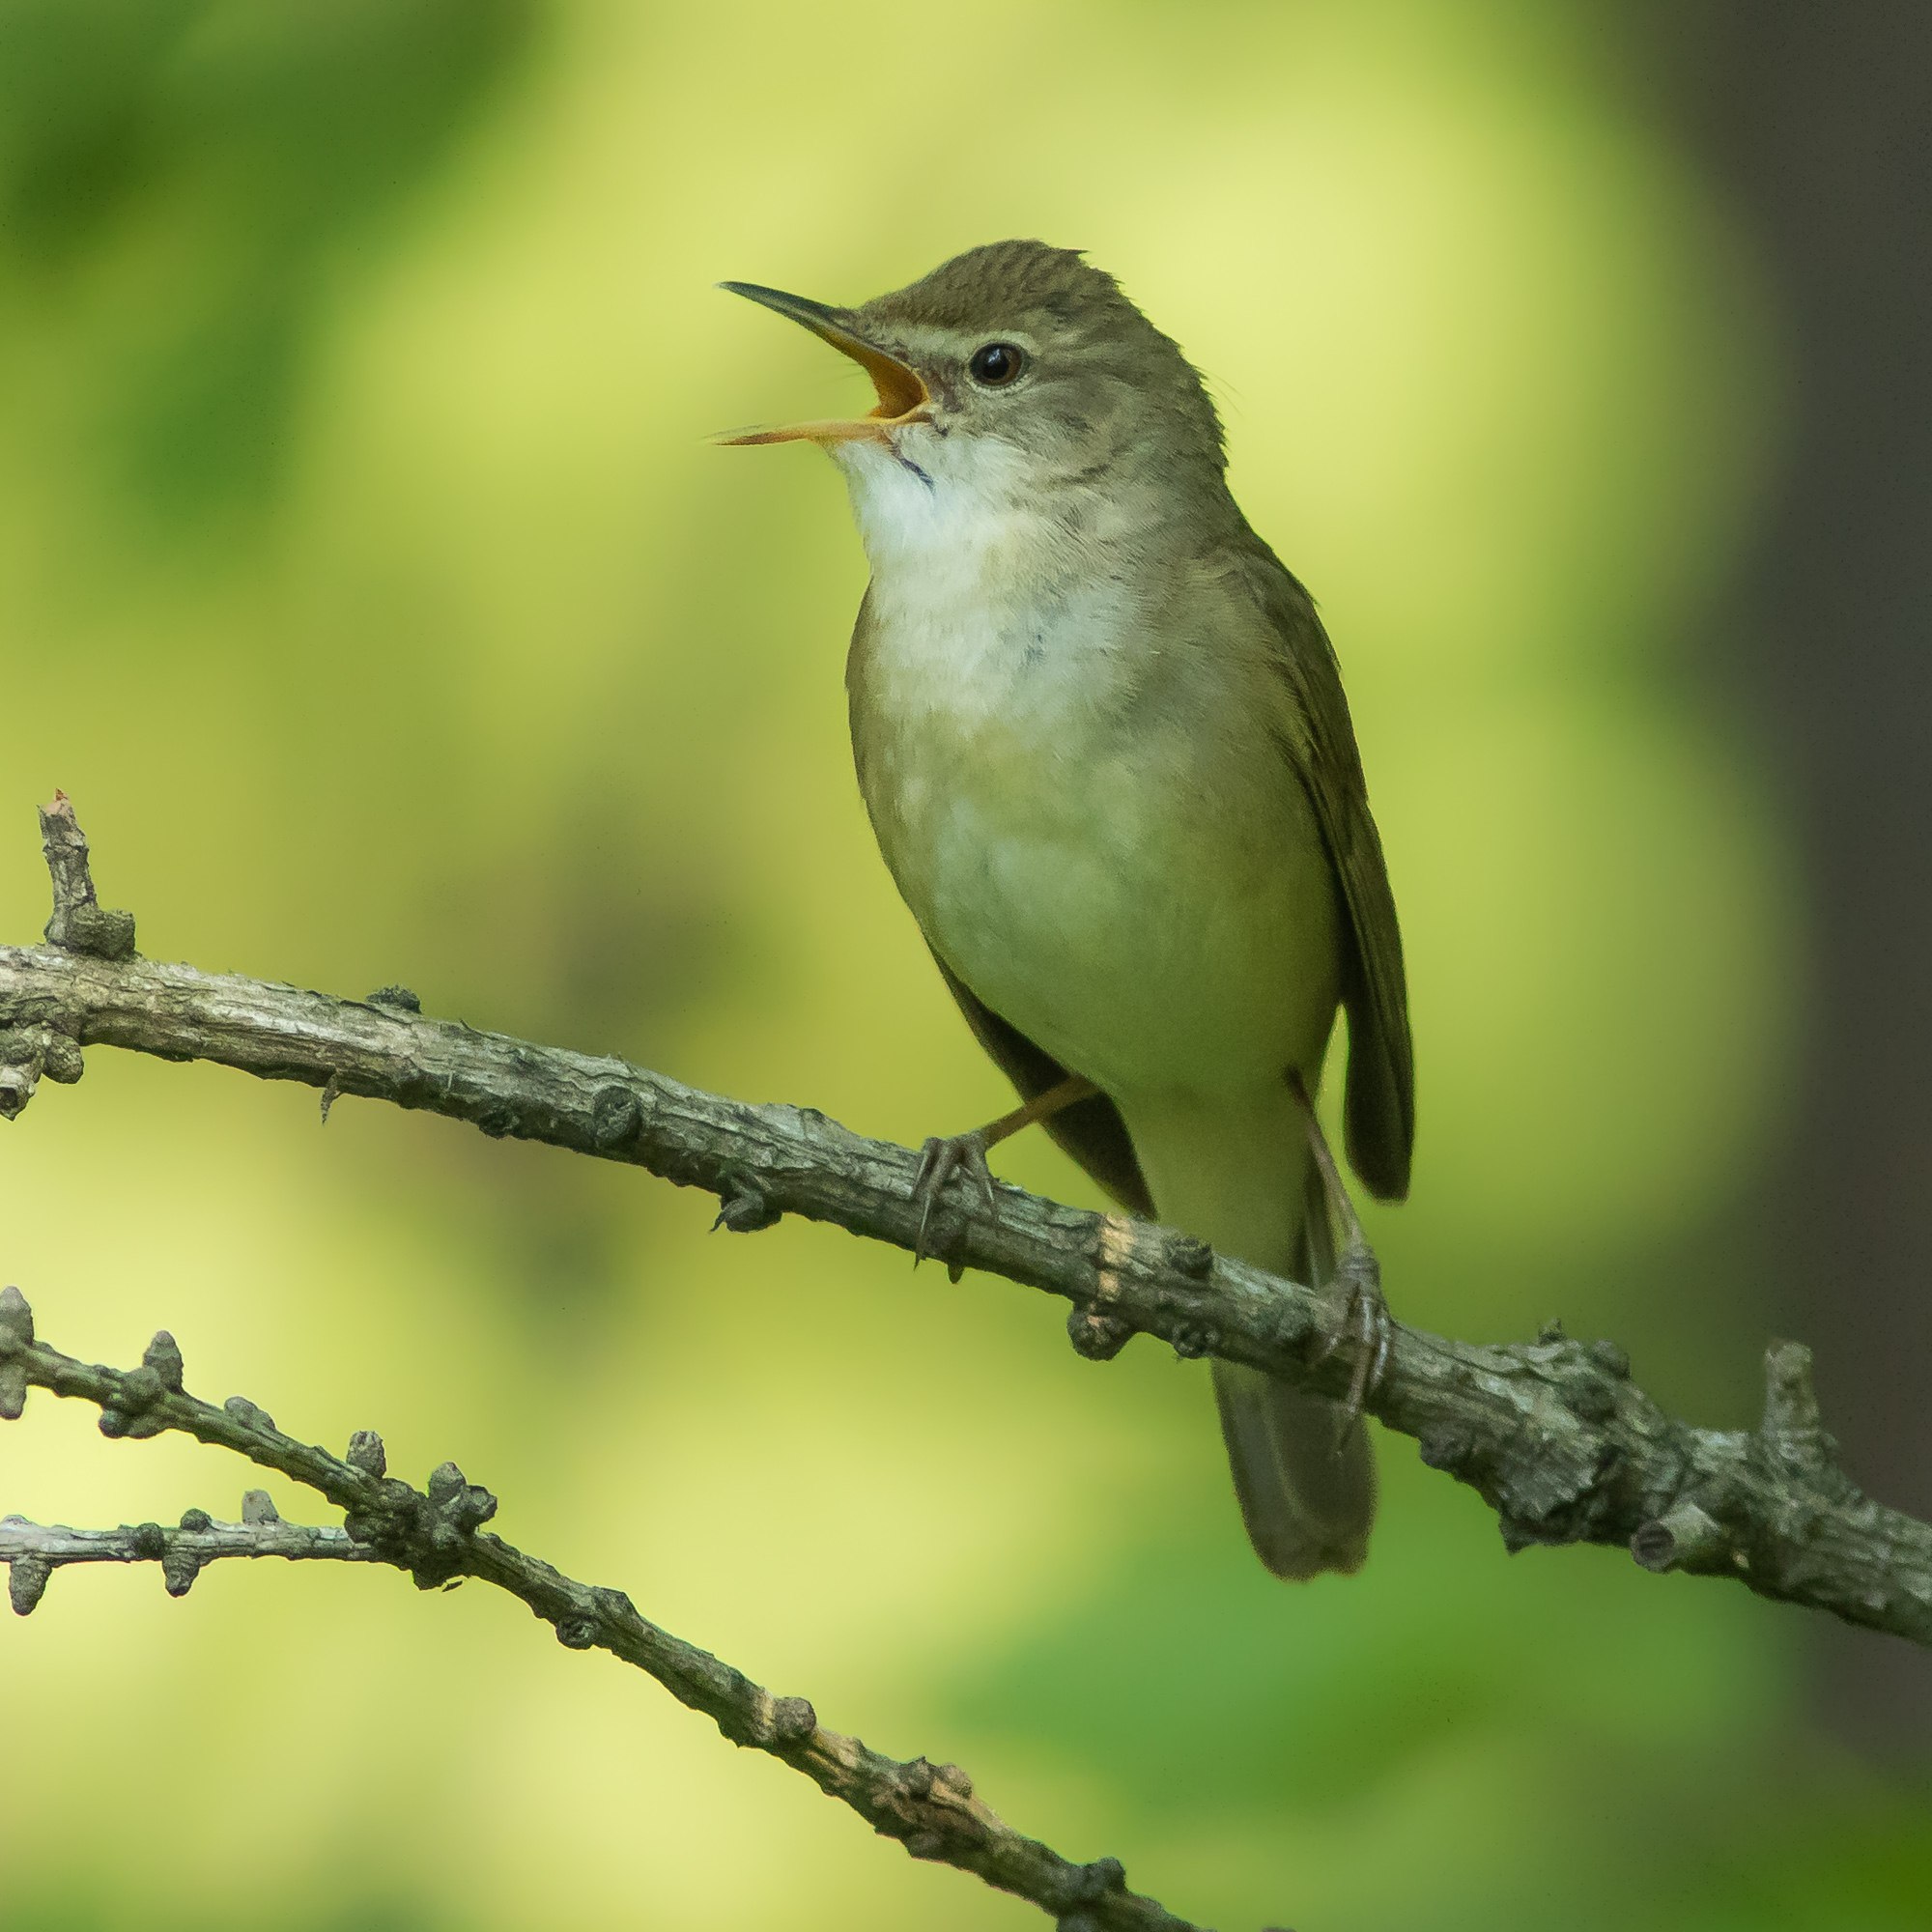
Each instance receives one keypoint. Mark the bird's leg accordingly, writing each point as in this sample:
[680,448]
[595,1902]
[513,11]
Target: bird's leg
[947,1155]
[1358,1313]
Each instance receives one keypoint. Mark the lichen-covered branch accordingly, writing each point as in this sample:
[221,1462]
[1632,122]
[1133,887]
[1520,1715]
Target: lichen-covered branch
[435,1534]
[1554,1434]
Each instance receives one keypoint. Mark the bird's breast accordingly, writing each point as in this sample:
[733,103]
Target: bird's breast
[1146,898]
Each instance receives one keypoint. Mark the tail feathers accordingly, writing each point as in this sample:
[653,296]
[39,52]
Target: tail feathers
[1307,1491]
[1307,1503]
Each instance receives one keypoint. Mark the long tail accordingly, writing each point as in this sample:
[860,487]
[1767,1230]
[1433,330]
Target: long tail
[1307,1489]
[1242,1180]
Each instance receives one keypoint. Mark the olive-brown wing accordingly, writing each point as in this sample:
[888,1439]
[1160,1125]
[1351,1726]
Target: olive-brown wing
[1318,738]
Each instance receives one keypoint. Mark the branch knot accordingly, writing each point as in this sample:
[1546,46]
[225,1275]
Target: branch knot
[1687,1536]
[139,1392]
[427,1534]
[80,924]
[1793,1428]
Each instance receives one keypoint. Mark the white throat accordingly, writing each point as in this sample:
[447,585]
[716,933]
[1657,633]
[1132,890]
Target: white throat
[928,497]
[984,595]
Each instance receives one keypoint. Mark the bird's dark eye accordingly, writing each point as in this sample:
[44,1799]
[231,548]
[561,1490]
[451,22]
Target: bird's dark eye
[996,364]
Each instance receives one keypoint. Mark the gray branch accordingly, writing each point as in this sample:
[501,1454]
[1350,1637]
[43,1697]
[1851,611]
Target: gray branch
[436,1535]
[34,1550]
[1553,1434]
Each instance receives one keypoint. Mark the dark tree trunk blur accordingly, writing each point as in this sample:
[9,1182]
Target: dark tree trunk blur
[1815,120]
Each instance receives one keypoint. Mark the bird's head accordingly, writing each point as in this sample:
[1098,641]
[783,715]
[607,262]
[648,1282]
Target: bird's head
[1015,368]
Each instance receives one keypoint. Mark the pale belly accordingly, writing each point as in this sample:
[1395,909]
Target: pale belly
[1156,931]
[1149,901]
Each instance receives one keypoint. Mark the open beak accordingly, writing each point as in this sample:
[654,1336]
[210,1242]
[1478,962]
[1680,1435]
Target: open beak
[902,395]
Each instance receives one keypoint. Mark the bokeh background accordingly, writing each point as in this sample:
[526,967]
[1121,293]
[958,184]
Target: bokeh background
[366,577]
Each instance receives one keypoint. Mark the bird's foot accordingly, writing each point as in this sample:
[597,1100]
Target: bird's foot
[1357,1318]
[942,1158]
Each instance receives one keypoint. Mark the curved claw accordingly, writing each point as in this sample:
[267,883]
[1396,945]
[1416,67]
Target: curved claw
[1358,1318]
[942,1158]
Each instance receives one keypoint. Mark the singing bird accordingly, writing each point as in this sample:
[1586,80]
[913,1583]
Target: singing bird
[1101,735]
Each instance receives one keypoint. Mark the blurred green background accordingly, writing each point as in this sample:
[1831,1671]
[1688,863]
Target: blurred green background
[366,577]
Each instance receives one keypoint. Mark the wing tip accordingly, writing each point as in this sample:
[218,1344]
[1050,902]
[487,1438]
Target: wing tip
[1381,1123]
